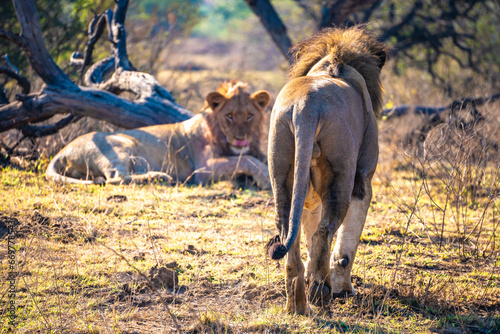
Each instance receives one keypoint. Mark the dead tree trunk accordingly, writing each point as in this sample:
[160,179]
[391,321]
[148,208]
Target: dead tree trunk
[152,104]
[272,23]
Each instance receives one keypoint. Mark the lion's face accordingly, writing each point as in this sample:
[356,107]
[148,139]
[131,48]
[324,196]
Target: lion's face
[237,118]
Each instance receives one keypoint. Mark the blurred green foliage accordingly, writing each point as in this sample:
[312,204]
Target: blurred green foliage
[183,14]
[64,25]
[221,19]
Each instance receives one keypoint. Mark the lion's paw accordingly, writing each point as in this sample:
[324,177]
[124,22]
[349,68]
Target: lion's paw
[319,294]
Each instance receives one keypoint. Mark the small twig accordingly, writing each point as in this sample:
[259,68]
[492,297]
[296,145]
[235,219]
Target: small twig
[426,292]
[49,129]
[36,305]
[13,73]
[152,242]
[105,322]
[131,221]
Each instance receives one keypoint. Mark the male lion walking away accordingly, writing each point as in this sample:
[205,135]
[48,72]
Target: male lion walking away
[323,151]
[219,143]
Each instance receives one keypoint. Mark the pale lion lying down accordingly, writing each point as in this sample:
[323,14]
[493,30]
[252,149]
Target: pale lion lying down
[219,143]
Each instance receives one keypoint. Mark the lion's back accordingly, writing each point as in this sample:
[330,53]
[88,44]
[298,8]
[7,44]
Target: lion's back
[318,94]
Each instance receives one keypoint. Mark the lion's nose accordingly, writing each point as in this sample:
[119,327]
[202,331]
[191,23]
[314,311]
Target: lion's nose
[240,137]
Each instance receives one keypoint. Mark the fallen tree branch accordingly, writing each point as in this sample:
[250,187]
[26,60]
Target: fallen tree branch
[90,102]
[455,106]
[95,30]
[118,36]
[23,82]
[153,104]
[13,38]
[32,131]
[3,97]
[96,73]
[142,85]
[34,46]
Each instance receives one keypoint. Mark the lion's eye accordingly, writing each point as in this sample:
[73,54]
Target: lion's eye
[229,117]
[249,117]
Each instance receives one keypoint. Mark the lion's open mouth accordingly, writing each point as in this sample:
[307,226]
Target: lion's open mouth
[240,146]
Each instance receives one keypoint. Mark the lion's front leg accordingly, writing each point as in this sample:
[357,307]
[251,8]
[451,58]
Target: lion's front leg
[150,177]
[226,168]
[333,189]
[318,268]
[117,175]
[318,293]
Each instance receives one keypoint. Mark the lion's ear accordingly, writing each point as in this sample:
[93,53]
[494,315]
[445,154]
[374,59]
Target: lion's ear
[215,99]
[261,97]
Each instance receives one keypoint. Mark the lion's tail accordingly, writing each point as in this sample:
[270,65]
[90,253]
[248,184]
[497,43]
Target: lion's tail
[304,144]
[52,173]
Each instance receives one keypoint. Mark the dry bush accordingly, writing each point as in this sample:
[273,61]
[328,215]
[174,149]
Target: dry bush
[456,157]
[460,168]
[442,180]
[451,167]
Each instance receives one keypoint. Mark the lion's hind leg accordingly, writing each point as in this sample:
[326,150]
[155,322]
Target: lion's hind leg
[295,283]
[347,242]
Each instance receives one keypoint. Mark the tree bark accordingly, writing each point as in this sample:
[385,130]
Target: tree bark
[153,104]
[89,102]
[33,45]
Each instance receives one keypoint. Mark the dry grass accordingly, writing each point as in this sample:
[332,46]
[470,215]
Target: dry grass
[79,251]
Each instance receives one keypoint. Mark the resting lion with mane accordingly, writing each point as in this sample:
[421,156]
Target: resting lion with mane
[220,142]
[323,151]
